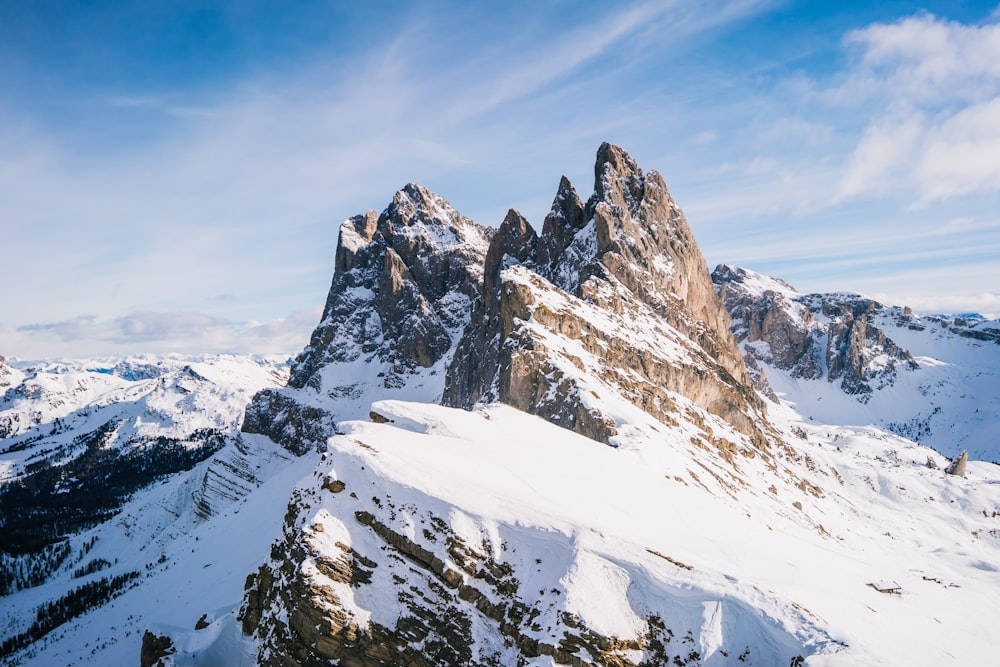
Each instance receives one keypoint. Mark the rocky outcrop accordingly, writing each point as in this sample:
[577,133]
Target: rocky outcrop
[814,336]
[155,648]
[297,427]
[403,288]
[403,283]
[958,466]
[622,282]
[399,578]
[859,354]
[479,349]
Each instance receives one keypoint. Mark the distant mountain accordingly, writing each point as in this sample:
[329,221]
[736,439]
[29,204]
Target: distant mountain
[511,447]
[86,447]
[846,359]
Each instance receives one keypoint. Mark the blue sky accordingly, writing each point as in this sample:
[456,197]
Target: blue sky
[173,175]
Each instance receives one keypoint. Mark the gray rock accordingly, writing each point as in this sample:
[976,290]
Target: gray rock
[297,427]
[403,287]
[474,367]
[154,649]
[813,336]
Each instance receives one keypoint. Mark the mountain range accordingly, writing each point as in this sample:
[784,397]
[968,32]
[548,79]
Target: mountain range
[503,446]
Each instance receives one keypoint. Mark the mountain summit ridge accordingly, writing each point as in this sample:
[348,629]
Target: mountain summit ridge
[354,520]
[628,254]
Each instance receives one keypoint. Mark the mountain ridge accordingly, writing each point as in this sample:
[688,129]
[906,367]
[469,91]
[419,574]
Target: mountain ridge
[352,519]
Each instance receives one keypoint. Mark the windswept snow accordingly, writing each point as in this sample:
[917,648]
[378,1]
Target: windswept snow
[624,533]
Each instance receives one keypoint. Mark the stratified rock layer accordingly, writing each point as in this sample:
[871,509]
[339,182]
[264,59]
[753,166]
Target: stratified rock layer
[622,279]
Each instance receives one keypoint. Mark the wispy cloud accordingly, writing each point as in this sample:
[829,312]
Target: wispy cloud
[938,85]
[245,196]
[159,332]
[182,195]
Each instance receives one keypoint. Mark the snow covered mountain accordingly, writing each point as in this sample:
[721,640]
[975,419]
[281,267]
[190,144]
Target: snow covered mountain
[612,301]
[403,287]
[846,359]
[503,447]
[101,459]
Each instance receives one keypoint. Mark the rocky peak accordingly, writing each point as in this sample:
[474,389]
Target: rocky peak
[630,255]
[403,288]
[421,262]
[514,243]
[811,336]
[618,180]
[566,218]
[355,233]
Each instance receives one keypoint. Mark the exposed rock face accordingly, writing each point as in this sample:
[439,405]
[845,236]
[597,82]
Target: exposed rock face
[959,465]
[620,279]
[403,287]
[456,593]
[8,377]
[296,427]
[154,649]
[402,578]
[832,336]
[514,243]
[403,281]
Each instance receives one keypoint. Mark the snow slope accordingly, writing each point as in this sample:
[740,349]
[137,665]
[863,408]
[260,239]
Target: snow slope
[947,397]
[149,397]
[621,540]
[188,568]
[115,420]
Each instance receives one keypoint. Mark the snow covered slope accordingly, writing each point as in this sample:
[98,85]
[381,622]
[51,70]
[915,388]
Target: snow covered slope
[494,538]
[349,520]
[105,464]
[846,359]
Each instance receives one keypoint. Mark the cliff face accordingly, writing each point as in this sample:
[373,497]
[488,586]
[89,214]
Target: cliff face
[614,297]
[815,336]
[403,287]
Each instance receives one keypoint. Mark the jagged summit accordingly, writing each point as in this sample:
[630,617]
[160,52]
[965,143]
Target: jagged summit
[427,305]
[843,358]
[599,275]
[566,218]
[403,287]
[421,260]
[618,180]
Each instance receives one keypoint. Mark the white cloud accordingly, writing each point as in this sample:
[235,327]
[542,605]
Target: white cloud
[158,332]
[961,154]
[926,60]
[937,86]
